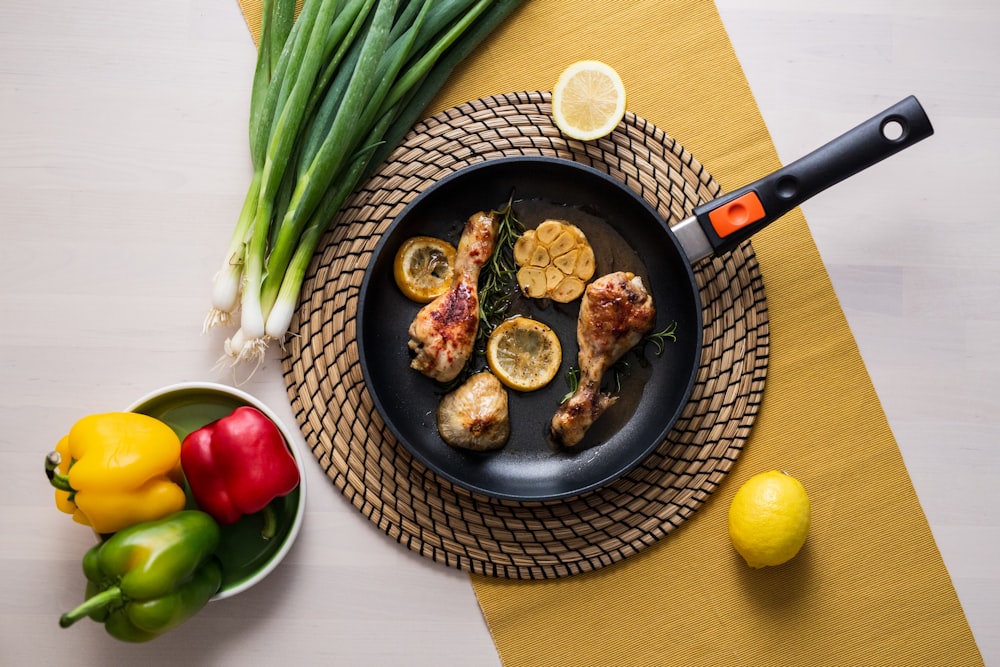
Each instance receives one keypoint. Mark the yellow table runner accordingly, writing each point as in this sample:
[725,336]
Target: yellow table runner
[869,587]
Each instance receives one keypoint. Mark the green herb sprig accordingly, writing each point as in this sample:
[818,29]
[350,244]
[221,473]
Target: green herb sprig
[573,381]
[658,338]
[497,279]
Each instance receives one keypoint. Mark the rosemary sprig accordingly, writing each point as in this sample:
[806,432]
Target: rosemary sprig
[573,380]
[497,282]
[658,338]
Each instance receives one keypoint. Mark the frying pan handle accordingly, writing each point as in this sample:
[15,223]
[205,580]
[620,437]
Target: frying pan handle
[733,217]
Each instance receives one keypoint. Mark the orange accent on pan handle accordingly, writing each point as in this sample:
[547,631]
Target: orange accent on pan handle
[735,215]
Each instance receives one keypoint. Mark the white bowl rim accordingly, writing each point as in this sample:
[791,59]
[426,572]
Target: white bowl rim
[252,400]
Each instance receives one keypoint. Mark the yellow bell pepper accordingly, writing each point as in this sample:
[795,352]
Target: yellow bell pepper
[117,469]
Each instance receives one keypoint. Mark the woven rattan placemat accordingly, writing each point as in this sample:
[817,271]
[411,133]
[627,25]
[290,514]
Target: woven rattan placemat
[446,523]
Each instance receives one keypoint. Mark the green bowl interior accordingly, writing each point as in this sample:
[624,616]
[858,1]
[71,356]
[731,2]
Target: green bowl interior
[242,551]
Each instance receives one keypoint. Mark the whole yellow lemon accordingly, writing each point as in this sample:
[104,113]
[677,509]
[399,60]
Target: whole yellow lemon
[769,518]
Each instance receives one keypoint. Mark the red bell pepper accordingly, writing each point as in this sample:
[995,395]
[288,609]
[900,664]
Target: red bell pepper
[237,465]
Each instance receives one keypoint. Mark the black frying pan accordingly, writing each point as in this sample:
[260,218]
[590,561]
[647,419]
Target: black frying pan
[627,234]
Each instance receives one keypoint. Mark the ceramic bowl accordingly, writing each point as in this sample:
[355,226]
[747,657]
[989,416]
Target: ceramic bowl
[246,557]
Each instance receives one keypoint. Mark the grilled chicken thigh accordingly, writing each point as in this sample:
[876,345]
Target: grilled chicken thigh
[444,331]
[615,313]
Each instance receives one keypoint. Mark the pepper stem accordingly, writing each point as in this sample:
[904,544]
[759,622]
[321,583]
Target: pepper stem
[58,480]
[90,605]
[270,521]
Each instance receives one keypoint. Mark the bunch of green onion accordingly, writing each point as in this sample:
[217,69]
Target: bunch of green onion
[334,91]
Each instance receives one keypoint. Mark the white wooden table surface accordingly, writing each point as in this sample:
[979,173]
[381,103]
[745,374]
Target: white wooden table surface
[120,176]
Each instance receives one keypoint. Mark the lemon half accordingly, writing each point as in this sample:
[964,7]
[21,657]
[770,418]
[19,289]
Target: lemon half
[588,100]
[769,518]
[523,353]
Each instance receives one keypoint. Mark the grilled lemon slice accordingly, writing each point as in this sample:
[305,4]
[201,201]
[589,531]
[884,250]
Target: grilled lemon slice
[423,267]
[523,353]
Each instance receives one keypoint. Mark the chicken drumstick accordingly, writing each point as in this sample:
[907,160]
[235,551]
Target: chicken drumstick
[615,313]
[444,331]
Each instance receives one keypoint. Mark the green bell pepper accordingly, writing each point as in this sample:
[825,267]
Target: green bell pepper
[151,577]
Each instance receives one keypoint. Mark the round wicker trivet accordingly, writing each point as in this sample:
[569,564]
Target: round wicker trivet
[446,523]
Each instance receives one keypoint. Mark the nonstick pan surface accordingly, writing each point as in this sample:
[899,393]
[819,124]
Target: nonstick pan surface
[626,234]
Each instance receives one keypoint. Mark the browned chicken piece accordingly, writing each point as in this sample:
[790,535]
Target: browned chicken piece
[615,313]
[475,416]
[444,331]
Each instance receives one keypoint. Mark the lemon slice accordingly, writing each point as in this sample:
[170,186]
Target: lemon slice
[423,267]
[588,100]
[769,518]
[523,353]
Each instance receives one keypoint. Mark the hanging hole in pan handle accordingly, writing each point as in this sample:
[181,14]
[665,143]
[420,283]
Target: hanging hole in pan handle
[894,128]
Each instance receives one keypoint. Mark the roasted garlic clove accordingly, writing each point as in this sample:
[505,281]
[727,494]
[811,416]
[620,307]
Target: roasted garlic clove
[475,416]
